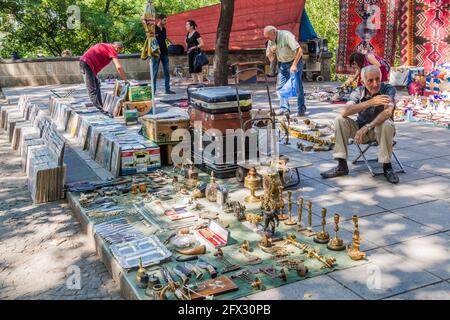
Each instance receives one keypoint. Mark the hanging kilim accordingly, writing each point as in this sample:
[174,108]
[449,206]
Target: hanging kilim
[425,32]
[366,26]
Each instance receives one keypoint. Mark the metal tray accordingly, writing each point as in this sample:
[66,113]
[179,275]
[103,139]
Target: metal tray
[150,249]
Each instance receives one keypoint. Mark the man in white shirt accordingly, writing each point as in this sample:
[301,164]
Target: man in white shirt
[283,46]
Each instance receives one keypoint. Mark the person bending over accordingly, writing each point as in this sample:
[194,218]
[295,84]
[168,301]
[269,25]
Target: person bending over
[93,61]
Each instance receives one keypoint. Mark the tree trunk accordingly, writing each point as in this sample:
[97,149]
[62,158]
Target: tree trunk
[222,42]
[106,11]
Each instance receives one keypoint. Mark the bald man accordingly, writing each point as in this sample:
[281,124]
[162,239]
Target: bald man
[283,46]
[374,104]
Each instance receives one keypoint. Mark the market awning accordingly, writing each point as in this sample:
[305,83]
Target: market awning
[250,18]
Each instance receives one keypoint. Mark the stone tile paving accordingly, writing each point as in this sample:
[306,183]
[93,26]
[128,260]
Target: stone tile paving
[41,246]
[405,226]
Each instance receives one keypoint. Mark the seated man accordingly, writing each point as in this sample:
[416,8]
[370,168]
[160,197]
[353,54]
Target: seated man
[374,104]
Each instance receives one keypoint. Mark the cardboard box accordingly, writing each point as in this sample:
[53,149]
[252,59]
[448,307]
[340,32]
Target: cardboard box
[160,130]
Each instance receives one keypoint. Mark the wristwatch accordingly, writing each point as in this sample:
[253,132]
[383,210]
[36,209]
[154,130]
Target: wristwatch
[368,126]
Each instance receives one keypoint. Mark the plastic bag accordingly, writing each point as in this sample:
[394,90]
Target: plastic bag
[289,89]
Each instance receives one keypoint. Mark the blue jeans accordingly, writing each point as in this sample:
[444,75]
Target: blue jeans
[284,74]
[165,62]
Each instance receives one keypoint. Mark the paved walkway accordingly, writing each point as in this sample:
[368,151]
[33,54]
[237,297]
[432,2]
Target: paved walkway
[405,228]
[41,247]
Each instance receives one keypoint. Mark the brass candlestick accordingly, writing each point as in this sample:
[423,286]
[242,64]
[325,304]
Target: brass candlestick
[323,236]
[141,276]
[336,244]
[353,250]
[281,216]
[309,231]
[290,221]
[300,227]
[252,182]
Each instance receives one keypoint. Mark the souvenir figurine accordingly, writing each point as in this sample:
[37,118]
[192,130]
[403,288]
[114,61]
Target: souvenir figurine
[211,189]
[252,182]
[271,220]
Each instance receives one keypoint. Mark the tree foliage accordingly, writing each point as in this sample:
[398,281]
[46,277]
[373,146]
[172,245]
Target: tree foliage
[33,27]
[324,16]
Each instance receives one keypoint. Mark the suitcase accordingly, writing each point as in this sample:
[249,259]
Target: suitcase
[219,100]
[219,121]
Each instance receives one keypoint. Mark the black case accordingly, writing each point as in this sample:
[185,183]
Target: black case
[218,100]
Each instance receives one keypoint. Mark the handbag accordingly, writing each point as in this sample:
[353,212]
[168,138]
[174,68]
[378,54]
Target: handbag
[200,60]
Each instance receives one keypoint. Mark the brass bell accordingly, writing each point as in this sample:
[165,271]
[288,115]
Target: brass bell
[252,182]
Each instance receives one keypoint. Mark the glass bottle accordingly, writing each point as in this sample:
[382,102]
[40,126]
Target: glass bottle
[211,189]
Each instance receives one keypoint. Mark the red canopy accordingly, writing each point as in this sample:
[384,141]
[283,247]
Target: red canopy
[250,18]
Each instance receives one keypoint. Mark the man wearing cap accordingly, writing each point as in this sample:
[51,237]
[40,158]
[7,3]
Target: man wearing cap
[93,61]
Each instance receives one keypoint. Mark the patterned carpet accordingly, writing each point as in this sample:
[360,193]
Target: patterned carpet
[425,35]
[366,26]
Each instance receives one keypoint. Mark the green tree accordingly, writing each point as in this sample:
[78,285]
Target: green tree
[32,27]
[324,16]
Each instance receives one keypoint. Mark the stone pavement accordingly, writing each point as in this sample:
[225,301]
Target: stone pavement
[41,246]
[405,228]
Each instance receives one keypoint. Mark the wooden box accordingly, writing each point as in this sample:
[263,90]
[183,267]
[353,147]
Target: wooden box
[247,76]
[160,130]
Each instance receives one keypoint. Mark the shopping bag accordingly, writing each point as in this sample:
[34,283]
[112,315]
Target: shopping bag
[289,89]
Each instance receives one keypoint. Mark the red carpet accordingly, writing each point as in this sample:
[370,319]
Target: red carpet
[425,35]
[366,26]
